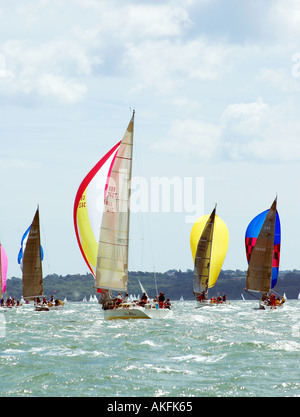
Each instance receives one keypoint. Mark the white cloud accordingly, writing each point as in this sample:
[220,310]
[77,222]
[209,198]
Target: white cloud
[279,79]
[254,131]
[75,49]
[68,91]
[153,21]
[129,21]
[165,64]
[286,15]
[192,137]
[47,69]
[261,132]
[245,118]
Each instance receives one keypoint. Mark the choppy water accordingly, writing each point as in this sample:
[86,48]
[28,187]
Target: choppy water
[214,351]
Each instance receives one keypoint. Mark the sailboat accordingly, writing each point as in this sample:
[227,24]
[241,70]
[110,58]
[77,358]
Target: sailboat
[209,243]
[3,271]
[101,221]
[30,259]
[262,241]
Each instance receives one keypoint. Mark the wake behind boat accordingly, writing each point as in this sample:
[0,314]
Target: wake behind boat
[101,208]
[209,243]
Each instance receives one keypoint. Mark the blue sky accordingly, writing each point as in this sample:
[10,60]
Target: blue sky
[215,85]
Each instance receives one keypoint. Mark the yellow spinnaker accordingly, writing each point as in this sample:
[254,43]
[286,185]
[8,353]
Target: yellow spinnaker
[220,243]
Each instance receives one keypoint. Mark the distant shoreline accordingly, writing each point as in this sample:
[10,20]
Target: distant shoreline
[174,283]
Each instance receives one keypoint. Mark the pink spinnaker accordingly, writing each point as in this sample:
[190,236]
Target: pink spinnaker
[3,269]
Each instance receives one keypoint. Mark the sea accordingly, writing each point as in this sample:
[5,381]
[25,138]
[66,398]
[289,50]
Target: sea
[232,350]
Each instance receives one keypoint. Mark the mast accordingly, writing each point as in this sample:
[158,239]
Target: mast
[32,262]
[203,257]
[112,258]
[259,273]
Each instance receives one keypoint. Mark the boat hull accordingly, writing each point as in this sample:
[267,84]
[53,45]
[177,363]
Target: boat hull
[44,307]
[264,306]
[206,303]
[41,308]
[125,314]
[136,312]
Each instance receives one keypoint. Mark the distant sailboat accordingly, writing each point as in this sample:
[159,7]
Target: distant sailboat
[93,299]
[299,296]
[30,260]
[262,241]
[209,244]
[101,208]
[3,271]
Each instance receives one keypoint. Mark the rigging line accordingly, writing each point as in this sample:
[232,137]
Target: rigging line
[137,160]
[250,293]
[275,292]
[140,165]
[137,217]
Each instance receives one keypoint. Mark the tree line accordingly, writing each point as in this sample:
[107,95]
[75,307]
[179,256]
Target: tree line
[173,283]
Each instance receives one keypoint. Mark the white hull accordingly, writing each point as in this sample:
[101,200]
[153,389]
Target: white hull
[40,307]
[136,312]
[206,303]
[45,307]
[264,306]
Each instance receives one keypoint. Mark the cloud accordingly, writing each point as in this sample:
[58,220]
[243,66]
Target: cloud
[280,78]
[254,131]
[190,136]
[285,14]
[68,91]
[165,64]
[47,69]
[259,131]
[131,21]
[51,63]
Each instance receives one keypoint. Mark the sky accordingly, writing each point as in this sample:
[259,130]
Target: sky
[215,85]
